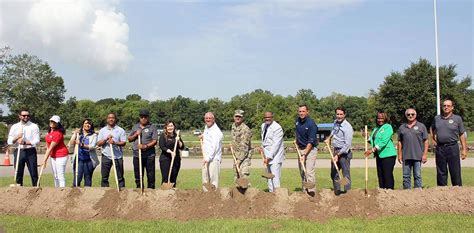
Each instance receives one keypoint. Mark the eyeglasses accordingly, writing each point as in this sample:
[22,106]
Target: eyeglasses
[411,114]
[25,115]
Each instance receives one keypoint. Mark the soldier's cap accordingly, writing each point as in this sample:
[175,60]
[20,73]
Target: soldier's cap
[239,112]
[144,112]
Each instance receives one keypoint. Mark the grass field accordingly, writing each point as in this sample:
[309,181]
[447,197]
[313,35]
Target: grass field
[190,179]
[420,223]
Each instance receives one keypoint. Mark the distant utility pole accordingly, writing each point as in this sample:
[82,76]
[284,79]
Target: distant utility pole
[438,100]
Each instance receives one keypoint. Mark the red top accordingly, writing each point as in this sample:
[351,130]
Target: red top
[60,150]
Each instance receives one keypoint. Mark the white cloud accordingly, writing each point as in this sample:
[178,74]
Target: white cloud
[92,33]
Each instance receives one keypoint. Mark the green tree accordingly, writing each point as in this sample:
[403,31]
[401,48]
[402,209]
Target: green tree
[416,87]
[27,81]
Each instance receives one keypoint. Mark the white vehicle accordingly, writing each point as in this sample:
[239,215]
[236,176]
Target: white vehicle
[197,132]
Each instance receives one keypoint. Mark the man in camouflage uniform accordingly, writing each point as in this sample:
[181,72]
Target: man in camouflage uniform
[241,142]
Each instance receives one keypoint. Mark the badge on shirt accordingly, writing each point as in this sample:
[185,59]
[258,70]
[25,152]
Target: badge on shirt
[450,121]
[146,130]
[416,127]
[381,131]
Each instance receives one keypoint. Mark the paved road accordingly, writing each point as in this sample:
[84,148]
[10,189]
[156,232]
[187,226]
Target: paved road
[195,163]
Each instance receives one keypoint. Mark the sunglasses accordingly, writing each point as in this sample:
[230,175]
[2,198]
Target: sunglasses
[411,114]
[25,115]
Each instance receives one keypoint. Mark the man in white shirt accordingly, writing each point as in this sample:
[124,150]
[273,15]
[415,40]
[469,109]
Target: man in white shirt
[212,147]
[273,149]
[25,134]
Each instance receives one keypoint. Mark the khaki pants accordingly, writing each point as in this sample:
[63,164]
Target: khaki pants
[310,164]
[214,167]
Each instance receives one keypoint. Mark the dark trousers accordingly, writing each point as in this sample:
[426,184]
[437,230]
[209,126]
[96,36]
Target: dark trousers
[85,170]
[448,157]
[343,163]
[165,163]
[105,170]
[148,162]
[385,172]
[28,157]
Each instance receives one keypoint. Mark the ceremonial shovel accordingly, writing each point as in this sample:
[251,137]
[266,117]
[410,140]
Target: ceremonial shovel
[208,184]
[170,185]
[241,182]
[306,184]
[266,173]
[342,181]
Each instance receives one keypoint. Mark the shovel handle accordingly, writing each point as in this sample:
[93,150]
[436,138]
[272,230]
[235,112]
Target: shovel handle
[300,156]
[235,160]
[172,156]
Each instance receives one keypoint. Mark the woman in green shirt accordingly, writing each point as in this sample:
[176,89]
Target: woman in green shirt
[384,150]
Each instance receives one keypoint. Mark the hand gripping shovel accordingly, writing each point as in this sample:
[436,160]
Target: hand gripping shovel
[113,164]
[306,184]
[140,163]
[170,185]
[241,182]
[208,184]
[342,181]
[266,173]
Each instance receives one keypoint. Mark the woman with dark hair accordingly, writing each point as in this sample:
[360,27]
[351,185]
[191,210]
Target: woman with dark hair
[57,150]
[384,150]
[87,157]
[167,141]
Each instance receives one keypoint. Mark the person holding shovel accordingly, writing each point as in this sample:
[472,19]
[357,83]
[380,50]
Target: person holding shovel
[57,150]
[212,148]
[113,136]
[341,137]
[273,149]
[167,142]
[383,150]
[86,139]
[306,141]
[26,135]
[412,148]
[149,136]
[241,144]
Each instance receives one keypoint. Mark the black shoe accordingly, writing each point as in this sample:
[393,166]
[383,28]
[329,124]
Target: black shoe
[337,192]
[311,193]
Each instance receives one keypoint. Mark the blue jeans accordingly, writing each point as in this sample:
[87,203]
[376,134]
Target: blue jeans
[408,166]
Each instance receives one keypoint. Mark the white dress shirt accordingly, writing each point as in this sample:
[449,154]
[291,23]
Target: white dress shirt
[212,143]
[30,134]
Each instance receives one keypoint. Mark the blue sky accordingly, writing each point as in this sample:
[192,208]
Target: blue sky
[220,49]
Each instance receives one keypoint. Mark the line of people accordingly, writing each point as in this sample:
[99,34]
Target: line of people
[411,150]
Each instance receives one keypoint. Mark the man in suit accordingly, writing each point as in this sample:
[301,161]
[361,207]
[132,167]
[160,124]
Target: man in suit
[273,149]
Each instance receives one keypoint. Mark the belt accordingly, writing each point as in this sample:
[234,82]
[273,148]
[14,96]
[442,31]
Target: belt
[447,144]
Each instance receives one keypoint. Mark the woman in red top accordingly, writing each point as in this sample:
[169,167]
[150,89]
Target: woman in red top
[57,150]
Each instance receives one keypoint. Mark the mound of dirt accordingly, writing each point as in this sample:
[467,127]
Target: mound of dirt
[129,204]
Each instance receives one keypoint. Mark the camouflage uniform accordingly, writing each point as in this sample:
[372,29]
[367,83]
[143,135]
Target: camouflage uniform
[241,142]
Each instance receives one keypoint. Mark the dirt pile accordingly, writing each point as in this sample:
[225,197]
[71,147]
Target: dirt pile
[105,203]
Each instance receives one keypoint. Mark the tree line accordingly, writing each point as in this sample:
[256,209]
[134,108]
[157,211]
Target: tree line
[27,81]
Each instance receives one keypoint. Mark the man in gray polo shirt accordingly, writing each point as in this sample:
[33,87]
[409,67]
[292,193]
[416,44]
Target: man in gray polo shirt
[446,131]
[149,138]
[114,135]
[412,148]
[341,135]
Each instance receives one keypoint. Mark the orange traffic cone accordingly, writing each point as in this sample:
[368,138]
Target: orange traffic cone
[6,160]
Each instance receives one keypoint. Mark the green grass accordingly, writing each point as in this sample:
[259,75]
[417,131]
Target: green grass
[191,179]
[420,223]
